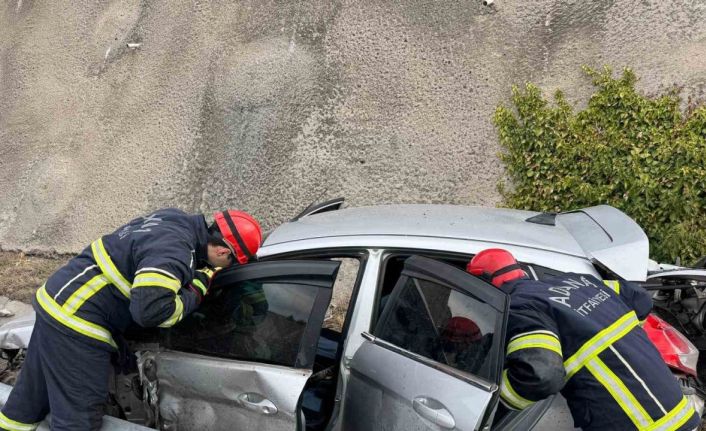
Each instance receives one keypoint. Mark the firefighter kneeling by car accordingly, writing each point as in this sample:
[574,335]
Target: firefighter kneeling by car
[580,336]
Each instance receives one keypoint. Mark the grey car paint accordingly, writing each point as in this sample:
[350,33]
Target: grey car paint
[601,233]
[608,236]
[566,246]
[395,391]
[201,393]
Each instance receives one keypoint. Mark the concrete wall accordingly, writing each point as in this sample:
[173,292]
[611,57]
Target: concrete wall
[268,105]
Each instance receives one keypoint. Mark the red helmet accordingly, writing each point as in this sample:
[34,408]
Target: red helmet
[495,265]
[461,330]
[241,232]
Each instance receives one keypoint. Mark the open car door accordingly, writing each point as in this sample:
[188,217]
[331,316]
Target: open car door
[242,359]
[434,359]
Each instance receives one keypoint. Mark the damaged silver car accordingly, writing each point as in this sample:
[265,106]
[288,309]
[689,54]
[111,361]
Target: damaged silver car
[344,324]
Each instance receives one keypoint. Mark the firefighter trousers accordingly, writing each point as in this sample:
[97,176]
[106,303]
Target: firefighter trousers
[62,375]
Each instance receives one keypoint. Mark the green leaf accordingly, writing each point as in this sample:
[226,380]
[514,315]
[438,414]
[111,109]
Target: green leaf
[636,152]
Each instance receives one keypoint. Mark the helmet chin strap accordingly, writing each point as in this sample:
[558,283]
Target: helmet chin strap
[236,234]
[485,275]
[505,270]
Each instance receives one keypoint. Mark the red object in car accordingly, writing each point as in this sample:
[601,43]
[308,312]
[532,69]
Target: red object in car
[676,350]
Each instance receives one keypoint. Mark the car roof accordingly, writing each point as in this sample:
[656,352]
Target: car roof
[494,225]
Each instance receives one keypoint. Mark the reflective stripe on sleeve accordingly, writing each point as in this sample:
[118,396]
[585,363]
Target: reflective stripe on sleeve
[613,285]
[617,389]
[536,340]
[77,276]
[638,378]
[510,397]
[176,316]
[600,342]
[152,269]
[11,425]
[677,417]
[148,279]
[79,325]
[83,293]
[197,283]
[108,268]
[209,272]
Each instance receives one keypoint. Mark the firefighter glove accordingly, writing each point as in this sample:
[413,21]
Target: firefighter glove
[202,282]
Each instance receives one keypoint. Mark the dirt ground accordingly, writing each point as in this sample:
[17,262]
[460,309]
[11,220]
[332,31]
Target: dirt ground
[22,274]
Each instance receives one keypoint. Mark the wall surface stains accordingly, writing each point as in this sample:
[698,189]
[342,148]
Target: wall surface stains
[268,105]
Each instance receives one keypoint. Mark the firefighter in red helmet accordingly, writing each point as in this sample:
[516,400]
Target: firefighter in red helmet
[152,271]
[580,336]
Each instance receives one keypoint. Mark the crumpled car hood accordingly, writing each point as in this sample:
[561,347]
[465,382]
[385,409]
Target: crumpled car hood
[16,333]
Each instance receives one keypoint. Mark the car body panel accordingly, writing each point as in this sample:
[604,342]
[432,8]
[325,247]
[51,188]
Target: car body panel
[201,393]
[372,404]
[212,392]
[500,226]
[16,333]
[610,237]
[407,390]
[601,233]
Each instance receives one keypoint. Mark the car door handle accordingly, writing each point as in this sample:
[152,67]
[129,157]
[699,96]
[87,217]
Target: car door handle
[433,411]
[257,403]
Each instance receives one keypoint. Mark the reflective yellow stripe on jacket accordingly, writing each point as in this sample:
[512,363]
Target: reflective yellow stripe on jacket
[176,316]
[587,356]
[527,340]
[69,320]
[613,285]
[108,268]
[620,393]
[511,397]
[143,279]
[673,420]
[11,425]
[84,293]
[149,279]
[535,340]
[599,342]
[198,284]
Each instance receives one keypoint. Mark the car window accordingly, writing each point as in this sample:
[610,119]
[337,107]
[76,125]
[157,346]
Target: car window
[441,323]
[250,320]
[342,290]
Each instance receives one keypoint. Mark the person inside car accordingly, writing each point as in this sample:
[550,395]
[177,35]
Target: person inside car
[464,345]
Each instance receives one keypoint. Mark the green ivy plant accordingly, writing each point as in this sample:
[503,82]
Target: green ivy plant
[637,153]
